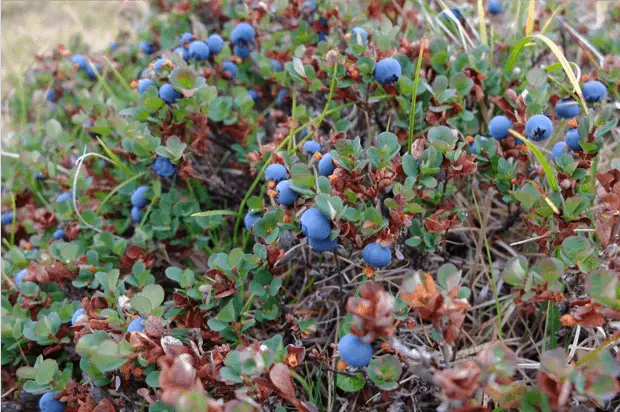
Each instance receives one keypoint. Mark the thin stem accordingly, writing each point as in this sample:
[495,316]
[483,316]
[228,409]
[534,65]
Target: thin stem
[414,95]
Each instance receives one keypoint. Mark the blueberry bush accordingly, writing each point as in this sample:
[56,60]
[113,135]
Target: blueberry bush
[318,206]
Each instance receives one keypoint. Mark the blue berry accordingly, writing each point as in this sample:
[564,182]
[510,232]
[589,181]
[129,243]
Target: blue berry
[51,95]
[113,46]
[499,126]
[322,36]
[168,93]
[286,196]
[59,234]
[311,147]
[215,43]
[594,91]
[281,97]
[567,108]
[456,11]
[473,145]
[49,403]
[538,127]
[198,50]
[559,149]
[323,245]
[361,33]
[183,52]
[308,7]
[242,50]
[185,39]
[387,71]
[158,64]
[63,197]
[146,47]
[136,215]
[137,198]
[573,138]
[6,218]
[276,65]
[230,68]
[19,278]
[80,61]
[495,7]
[144,84]
[326,166]
[254,95]
[164,167]
[354,352]
[76,315]
[315,225]
[376,255]
[93,70]
[276,172]
[250,219]
[136,325]
[243,32]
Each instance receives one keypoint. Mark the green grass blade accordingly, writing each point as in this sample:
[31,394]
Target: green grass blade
[414,94]
[215,213]
[541,158]
[514,54]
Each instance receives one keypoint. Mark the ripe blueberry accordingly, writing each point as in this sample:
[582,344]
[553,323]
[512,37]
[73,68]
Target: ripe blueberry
[495,7]
[164,167]
[80,61]
[242,50]
[185,39]
[243,32]
[6,218]
[183,52]
[315,225]
[51,95]
[286,196]
[137,198]
[230,68]
[144,84]
[146,47]
[538,127]
[326,166]
[76,316]
[499,126]
[359,35]
[63,197]
[276,172]
[136,216]
[136,325]
[215,43]
[573,138]
[281,97]
[253,94]
[168,93]
[276,65]
[59,234]
[49,403]
[19,278]
[323,245]
[455,11]
[354,352]
[92,70]
[198,50]
[567,108]
[113,46]
[158,64]
[376,255]
[387,71]
[594,91]
[250,219]
[559,149]
[311,147]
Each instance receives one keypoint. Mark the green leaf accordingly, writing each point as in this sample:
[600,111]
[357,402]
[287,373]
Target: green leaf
[351,383]
[141,304]
[182,78]
[152,379]
[154,293]
[45,372]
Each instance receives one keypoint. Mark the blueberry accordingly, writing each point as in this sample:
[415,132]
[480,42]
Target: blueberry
[243,32]
[136,325]
[242,50]
[308,7]
[286,196]
[473,145]
[559,149]
[376,255]
[183,52]
[281,97]
[573,138]
[455,11]
[495,7]
[323,245]
[250,219]
[354,352]
[93,70]
[51,95]
[168,93]
[311,147]
[567,108]
[137,198]
[215,43]
[538,127]
[80,60]
[164,167]
[63,197]
[387,71]
[158,64]
[39,176]
[230,68]
[359,33]
[185,38]
[499,126]
[326,166]
[276,172]
[76,315]
[315,225]
[6,218]
[594,91]
[198,50]
[254,95]
[146,47]
[49,403]
[20,277]
[136,215]
[113,46]
[144,84]
[59,234]
[276,65]
[322,36]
